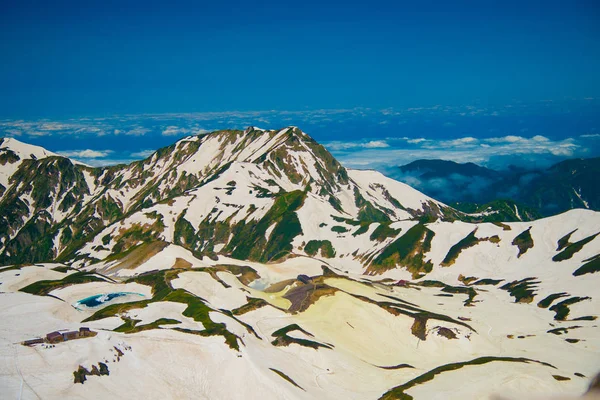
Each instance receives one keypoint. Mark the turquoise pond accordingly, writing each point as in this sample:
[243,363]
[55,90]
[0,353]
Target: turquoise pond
[100,299]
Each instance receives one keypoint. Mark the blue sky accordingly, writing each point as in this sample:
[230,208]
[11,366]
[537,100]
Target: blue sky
[379,83]
[67,58]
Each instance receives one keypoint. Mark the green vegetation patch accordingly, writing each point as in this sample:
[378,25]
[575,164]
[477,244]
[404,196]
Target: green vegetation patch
[562,310]
[346,220]
[590,267]
[13,267]
[407,251]
[369,213]
[249,242]
[546,302]
[252,304]
[127,239]
[560,331]
[339,229]
[455,250]
[488,281]
[469,291]
[287,378]
[469,241]
[283,339]
[364,227]
[393,367]
[63,269]
[419,326]
[313,246]
[561,378]
[42,288]
[523,241]
[398,393]
[163,291]
[245,274]
[184,233]
[573,248]
[199,312]
[419,315]
[523,291]
[466,279]
[8,156]
[501,225]
[586,318]
[384,231]
[131,325]
[564,241]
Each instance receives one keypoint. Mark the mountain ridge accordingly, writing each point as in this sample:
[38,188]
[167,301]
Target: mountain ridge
[247,194]
[563,186]
[73,201]
[266,264]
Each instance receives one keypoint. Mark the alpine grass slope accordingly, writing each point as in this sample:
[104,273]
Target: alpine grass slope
[251,264]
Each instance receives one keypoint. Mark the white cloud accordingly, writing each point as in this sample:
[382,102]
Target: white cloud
[461,142]
[540,138]
[466,149]
[137,131]
[373,144]
[54,126]
[88,153]
[91,129]
[591,136]
[416,141]
[199,131]
[174,130]
[505,139]
[36,133]
[12,132]
[142,154]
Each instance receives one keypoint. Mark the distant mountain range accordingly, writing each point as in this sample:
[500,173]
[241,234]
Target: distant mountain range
[542,192]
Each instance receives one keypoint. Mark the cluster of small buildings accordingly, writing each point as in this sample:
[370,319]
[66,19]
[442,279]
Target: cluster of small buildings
[57,337]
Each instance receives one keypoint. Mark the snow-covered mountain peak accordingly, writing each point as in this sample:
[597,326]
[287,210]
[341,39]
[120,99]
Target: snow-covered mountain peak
[23,150]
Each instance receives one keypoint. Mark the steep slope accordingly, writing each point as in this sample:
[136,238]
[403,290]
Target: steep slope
[502,311]
[501,210]
[54,217]
[12,154]
[566,185]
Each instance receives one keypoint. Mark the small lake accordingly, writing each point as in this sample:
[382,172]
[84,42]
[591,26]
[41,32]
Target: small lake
[259,284]
[101,299]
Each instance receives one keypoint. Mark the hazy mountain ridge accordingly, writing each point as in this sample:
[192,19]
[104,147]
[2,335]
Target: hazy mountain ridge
[563,186]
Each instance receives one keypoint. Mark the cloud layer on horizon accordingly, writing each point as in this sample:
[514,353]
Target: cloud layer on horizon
[360,138]
[494,152]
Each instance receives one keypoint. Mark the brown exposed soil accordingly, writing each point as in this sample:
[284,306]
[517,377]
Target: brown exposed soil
[304,295]
[180,263]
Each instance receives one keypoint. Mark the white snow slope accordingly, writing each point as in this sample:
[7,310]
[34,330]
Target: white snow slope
[399,307]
